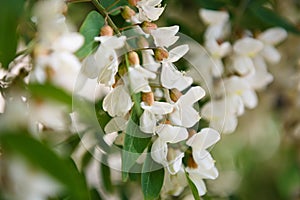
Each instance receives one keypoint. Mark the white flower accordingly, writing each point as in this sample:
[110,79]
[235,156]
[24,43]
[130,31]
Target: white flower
[199,143]
[245,49]
[149,119]
[165,36]
[60,61]
[217,22]
[222,114]
[184,113]
[118,101]
[172,78]
[174,184]
[198,174]
[116,124]
[138,79]
[270,38]
[261,78]
[240,87]
[217,51]
[149,62]
[213,17]
[106,59]
[149,10]
[159,151]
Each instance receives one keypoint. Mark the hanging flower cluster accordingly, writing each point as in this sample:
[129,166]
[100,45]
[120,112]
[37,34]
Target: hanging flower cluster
[242,67]
[167,97]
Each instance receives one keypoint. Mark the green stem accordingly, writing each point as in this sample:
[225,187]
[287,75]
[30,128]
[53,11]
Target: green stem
[104,13]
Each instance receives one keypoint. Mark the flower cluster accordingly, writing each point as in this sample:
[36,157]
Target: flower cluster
[167,97]
[240,68]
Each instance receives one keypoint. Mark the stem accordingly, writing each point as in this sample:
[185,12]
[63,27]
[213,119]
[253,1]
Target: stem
[112,5]
[104,13]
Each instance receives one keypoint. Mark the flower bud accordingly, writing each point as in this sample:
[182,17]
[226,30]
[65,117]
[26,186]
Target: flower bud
[175,94]
[148,26]
[133,58]
[191,163]
[127,13]
[191,132]
[133,2]
[148,98]
[106,30]
[160,54]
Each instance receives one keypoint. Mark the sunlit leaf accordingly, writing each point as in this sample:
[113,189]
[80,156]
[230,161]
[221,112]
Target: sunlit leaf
[90,29]
[152,178]
[10,13]
[134,144]
[49,91]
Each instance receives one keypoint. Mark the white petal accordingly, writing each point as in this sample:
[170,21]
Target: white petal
[271,54]
[175,164]
[165,36]
[117,102]
[250,99]
[203,159]
[243,65]
[216,50]
[199,183]
[248,46]
[147,122]
[204,139]
[172,134]
[185,116]
[161,108]
[172,78]
[217,67]
[213,17]
[159,151]
[150,13]
[115,124]
[273,36]
[89,67]
[177,53]
[193,95]
[68,42]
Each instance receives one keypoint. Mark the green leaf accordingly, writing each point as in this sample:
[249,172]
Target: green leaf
[152,178]
[90,29]
[49,91]
[192,187]
[135,143]
[10,13]
[40,155]
[271,18]
[106,175]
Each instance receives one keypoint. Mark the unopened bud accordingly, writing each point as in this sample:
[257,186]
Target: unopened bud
[64,10]
[133,58]
[127,13]
[148,26]
[148,98]
[175,94]
[122,70]
[191,163]
[160,54]
[106,31]
[133,2]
